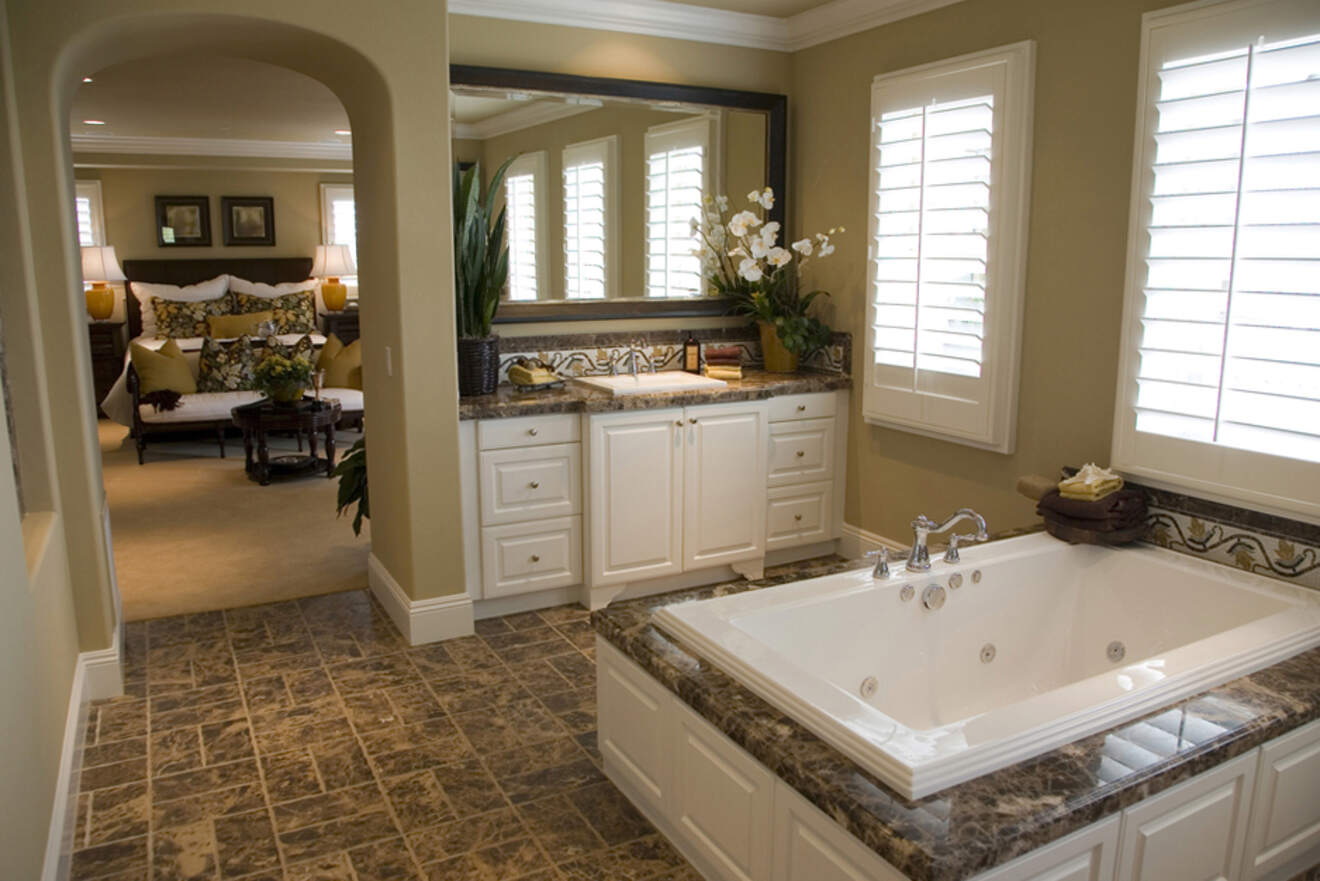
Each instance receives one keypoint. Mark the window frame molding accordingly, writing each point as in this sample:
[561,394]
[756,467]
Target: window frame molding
[1200,467]
[609,148]
[710,145]
[537,164]
[91,189]
[326,190]
[1007,248]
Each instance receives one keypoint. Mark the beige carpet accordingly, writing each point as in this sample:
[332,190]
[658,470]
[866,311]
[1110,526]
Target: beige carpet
[193,534]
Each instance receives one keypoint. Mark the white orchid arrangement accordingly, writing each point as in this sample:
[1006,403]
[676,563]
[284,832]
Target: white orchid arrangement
[742,259]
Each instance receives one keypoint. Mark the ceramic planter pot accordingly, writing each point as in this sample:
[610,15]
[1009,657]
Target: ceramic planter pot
[777,358]
[478,365]
[100,302]
[286,392]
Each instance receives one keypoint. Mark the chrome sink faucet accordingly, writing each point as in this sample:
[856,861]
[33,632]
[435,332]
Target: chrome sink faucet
[635,347]
[923,526]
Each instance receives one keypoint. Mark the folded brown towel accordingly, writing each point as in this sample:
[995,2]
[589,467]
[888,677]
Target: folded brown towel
[1125,504]
[724,362]
[1093,525]
[728,354]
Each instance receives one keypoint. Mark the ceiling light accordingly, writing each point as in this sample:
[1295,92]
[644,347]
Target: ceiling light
[93,122]
[343,131]
[87,79]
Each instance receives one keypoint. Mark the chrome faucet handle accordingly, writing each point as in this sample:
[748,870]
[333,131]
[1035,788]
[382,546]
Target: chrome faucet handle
[881,569]
[951,555]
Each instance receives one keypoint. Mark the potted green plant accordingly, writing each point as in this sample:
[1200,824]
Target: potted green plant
[481,265]
[742,260]
[282,379]
[352,474]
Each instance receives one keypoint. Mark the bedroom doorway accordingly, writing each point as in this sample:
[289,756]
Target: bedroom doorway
[228,201]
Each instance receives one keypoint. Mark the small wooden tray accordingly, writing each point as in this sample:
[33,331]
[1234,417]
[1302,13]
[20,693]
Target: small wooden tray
[1073,535]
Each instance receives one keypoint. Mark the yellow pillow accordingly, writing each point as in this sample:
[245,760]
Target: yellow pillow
[225,327]
[343,370]
[162,369]
[333,346]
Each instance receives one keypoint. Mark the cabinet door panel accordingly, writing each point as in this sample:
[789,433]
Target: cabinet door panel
[633,727]
[636,491]
[1285,819]
[722,800]
[810,846]
[724,485]
[1085,855]
[1193,832]
[801,451]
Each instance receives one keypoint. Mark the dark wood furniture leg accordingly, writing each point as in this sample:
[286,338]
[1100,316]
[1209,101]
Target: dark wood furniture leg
[329,450]
[311,442]
[263,458]
[220,436]
[247,450]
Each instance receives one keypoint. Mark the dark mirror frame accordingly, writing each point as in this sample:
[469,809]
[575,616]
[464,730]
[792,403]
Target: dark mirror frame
[776,163]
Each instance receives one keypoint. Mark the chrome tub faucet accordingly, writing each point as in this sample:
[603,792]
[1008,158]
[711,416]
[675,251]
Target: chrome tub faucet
[923,526]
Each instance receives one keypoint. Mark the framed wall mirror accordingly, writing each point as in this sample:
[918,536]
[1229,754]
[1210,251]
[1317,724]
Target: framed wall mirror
[608,175]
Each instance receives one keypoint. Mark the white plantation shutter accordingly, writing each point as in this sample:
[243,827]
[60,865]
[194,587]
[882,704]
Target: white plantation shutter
[589,218]
[1223,312]
[524,197]
[678,177]
[88,212]
[339,223]
[950,153]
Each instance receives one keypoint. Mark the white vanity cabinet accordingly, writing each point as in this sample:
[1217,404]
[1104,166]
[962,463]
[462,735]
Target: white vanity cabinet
[804,495]
[675,490]
[1285,814]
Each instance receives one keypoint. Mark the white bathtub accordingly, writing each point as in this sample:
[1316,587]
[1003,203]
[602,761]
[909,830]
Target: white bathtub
[939,714]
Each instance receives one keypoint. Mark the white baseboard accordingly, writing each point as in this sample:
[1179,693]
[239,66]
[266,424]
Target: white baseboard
[420,621]
[526,602]
[855,542]
[97,675]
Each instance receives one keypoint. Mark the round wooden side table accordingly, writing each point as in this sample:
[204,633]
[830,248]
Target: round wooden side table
[305,417]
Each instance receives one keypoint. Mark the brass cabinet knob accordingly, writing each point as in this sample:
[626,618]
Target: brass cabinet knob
[536,558]
[692,420]
[535,484]
[678,422]
[800,454]
[797,516]
[801,407]
[532,432]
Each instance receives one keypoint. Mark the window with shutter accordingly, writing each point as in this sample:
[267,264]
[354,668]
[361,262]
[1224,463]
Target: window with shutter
[525,195]
[88,212]
[590,211]
[1221,383]
[339,224]
[678,177]
[950,161]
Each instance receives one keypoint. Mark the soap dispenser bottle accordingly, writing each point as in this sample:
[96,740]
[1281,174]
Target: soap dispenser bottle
[691,354]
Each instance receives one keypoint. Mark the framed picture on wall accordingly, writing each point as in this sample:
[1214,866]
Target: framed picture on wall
[248,220]
[183,221]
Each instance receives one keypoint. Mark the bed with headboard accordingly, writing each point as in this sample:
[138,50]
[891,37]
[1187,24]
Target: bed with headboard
[122,403]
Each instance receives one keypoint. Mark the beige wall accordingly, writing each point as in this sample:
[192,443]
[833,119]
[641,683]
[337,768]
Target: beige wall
[1086,75]
[128,197]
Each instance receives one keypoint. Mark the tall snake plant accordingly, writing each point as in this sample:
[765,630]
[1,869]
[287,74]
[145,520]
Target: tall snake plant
[481,257]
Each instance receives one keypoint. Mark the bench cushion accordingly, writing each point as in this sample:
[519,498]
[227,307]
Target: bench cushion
[206,407]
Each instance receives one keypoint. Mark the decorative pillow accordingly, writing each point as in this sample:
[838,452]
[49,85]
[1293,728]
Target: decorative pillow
[226,368]
[304,348]
[270,291]
[228,327]
[343,369]
[294,313]
[165,369]
[177,319]
[333,346]
[146,292]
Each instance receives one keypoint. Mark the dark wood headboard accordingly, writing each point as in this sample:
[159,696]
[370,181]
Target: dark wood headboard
[266,270]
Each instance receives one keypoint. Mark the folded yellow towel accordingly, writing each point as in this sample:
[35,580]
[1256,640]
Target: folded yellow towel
[520,375]
[725,373]
[1090,483]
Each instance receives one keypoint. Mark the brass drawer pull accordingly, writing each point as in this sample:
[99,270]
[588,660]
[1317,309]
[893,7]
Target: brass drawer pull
[532,431]
[801,407]
[535,484]
[797,516]
[800,454]
[692,420]
[536,558]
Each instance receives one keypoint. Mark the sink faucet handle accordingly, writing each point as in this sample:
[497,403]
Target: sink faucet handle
[951,555]
[881,569]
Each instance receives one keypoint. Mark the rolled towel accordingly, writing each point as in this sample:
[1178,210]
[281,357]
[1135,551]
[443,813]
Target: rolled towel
[725,373]
[1091,482]
[521,375]
[1119,505]
[731,354]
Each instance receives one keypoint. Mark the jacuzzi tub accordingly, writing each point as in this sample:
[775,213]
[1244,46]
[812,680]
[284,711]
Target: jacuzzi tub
[1043,643]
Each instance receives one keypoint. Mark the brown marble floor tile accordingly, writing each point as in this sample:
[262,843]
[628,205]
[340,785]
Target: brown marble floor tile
[117,813]
[433,661]
[373,673]
[634,861]
[561,831]
[291,775]
[341,763]
[342,834]
[175,751]
[520,654]
[196,808]
[317,809]
[121,719]
[384,861]
[188,783]
[610,813]
[562,614]
[226,741]
[114,774]
[245,843]
[418,801]
[540,678]
[114,751]
[551,781]
[510,860]
[472,653]
[466,835]
[469,788]
[329,868]
[184,853]
[459,868]
[106,859]
[524,760]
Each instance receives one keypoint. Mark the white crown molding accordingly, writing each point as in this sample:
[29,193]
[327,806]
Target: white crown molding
[519,118]
[681,21]
[209,147]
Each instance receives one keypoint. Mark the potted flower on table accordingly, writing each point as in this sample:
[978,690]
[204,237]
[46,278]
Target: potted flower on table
[743,260]
[282,379]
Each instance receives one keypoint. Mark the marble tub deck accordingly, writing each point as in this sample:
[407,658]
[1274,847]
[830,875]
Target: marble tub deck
[574,397]
[966,829]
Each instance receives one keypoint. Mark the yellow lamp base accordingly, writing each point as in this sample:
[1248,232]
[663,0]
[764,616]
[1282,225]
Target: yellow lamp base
[334,295]
[100,301]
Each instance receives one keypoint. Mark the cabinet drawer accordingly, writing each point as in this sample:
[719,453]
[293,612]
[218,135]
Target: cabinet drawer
[526,431]
[530,483]
[812,406]
[797,515]
[525,557]
[1285,819]
[801,451]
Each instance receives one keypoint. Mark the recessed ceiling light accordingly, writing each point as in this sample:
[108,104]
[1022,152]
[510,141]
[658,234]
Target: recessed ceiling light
[87,79]
[343,131]
[93,122]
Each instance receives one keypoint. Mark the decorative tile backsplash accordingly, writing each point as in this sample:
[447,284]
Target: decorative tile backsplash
[592,354]
[1278,547]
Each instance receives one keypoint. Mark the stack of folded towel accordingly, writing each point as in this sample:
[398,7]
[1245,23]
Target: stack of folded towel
[1094,500]
[531,371]
[724,363]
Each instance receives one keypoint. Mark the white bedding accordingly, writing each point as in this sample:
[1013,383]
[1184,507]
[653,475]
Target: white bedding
[118,404]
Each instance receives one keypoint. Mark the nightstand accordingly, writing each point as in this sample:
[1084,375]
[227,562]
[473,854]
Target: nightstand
[108,340]
[342,324]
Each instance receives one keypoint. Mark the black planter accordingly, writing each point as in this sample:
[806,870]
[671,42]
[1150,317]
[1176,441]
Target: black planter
[478,365]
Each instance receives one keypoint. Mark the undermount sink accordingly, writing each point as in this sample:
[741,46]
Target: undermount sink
[646,383]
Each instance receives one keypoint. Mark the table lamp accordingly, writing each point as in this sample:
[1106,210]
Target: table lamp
[331,262]
[100,266]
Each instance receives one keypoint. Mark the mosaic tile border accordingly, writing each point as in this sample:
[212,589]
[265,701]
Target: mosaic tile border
[588,354]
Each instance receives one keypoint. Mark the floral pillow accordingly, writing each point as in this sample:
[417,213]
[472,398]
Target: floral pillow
[226,368]
[303,348]
[177,319]
[294,313]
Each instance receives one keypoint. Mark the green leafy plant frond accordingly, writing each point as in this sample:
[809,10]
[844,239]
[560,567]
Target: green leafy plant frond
[352,474]
[481,256]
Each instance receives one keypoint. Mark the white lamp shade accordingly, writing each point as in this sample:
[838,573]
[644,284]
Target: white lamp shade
[99,263]
[333,261]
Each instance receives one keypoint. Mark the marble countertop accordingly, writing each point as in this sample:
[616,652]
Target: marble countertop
[575,397]
[973,826]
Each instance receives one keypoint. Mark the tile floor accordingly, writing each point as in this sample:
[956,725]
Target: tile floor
[305,741]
